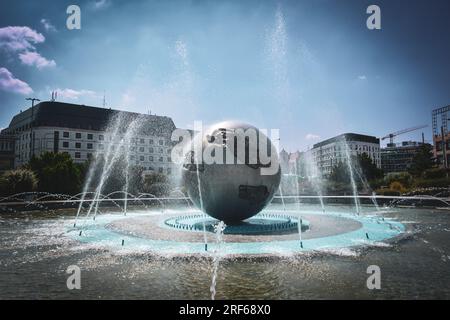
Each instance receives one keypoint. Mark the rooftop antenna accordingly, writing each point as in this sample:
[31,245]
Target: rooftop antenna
[54,96]
[104,99]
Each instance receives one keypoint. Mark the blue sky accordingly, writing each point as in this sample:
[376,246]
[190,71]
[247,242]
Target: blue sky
[310,68]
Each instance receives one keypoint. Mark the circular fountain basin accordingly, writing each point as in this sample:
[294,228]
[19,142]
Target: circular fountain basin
[263,224]
[181,232]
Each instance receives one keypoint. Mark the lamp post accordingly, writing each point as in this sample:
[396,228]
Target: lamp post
[31,124]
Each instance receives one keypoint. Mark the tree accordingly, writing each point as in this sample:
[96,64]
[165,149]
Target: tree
[57,173]
[17,181]
[339,173]
[368,168]
[363,169]
[423,160]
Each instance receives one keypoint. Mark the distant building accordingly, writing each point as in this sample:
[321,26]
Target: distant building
[292,163]
[284,161]
[438,149]
[440,118]
[330,152]
[398,157]
[80,131]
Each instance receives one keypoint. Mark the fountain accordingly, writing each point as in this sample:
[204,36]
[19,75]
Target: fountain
[233,191]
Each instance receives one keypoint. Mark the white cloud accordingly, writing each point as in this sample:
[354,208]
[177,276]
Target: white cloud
[312,136]
[71,94]
[11,84]
[31,58]
[22,41]
[15,39]
[362,77]
[49,27]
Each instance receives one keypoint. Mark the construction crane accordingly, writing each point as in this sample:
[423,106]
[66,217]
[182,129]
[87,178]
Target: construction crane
[394,134]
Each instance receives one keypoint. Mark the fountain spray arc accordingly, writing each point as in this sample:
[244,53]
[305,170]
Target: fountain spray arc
[120,138]
[314,176]
[350,166]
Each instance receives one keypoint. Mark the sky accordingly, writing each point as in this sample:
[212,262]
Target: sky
[310,68]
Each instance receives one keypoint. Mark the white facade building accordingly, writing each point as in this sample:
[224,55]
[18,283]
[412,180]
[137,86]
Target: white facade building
[80,131]
[330,152]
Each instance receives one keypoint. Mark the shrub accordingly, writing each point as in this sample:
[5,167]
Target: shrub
[404,178]
[435,173]
[17,181]
[397,186]
[432,183]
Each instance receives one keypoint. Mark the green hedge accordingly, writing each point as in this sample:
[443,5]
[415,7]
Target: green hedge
[427,183]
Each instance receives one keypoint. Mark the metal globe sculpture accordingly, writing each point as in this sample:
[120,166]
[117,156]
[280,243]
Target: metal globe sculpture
[239,184]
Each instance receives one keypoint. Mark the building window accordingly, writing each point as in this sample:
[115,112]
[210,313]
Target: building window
[141,149]
[161,150]
[161,159]
[150,150]
[132,158]
[65,144]
[150,158]
[161,142]
[89,156]
[169,159]
[65,134]
[100,146]
[77,155]
[101,137]
[90,136]
[160,170]
[78,145]
[141,141]
[151,141]
[141,158]
[169,171]
[78,135]
[89,145]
